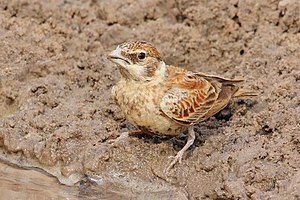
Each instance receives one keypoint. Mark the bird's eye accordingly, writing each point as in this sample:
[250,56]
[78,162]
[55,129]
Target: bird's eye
[141,55]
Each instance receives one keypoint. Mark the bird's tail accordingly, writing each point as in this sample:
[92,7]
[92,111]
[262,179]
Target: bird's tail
[244,93]
[230,85]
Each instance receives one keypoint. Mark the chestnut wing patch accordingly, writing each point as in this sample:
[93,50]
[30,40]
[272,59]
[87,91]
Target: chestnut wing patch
[189,100]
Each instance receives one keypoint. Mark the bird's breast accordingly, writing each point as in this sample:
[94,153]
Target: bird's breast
[140,104]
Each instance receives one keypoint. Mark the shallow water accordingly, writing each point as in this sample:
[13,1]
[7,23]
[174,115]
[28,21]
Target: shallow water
[33,184]
[19,183]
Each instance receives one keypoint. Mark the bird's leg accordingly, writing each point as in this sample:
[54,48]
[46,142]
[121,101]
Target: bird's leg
[136,133]
[125,135]
[178,157]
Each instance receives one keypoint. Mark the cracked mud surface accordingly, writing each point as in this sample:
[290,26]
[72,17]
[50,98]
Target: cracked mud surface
[56,112]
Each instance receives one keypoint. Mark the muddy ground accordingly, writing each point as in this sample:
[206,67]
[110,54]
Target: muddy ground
[56,112]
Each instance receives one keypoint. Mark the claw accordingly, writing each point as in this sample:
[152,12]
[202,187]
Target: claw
[125,135]
[119,139]
[175,159]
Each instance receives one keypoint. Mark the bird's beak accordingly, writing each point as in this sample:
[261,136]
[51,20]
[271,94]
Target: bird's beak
[117,57]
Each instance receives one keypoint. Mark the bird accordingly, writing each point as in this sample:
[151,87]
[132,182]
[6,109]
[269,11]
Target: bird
[167,100]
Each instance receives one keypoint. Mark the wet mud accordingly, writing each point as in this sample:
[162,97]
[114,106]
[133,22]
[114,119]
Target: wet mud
[56,112]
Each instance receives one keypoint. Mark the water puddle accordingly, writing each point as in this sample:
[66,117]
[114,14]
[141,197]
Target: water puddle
[18,183]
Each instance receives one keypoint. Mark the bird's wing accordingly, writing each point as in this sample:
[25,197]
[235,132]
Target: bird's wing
[195,97]
[190,98]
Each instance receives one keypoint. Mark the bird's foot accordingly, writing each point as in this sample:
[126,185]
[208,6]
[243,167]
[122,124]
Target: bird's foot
[178,157]
[124,136]
[174,160]
[119,139]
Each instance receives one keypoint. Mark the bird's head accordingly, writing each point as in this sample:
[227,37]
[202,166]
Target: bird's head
[138,61]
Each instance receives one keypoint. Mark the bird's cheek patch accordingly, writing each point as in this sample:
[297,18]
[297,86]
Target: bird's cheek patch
[151,70]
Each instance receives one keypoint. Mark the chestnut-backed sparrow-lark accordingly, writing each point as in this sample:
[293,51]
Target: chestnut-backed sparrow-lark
[163,99]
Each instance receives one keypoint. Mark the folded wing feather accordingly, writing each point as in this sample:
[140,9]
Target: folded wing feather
[196,97]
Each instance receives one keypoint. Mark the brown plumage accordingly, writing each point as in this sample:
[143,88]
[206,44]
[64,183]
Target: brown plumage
[164,99]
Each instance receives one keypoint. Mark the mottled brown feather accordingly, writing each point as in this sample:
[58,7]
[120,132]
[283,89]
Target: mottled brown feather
[194,97]
[189,98]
